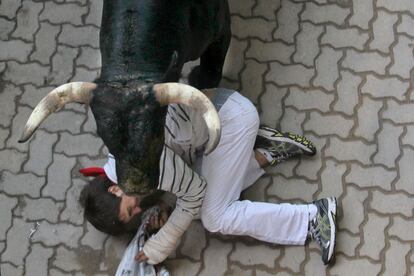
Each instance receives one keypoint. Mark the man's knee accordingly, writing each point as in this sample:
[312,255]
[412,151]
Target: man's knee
[211,223]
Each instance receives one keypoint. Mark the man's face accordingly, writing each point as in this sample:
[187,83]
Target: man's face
[129,206]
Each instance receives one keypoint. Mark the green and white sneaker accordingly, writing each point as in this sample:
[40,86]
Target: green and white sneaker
[322,228]
[279,146]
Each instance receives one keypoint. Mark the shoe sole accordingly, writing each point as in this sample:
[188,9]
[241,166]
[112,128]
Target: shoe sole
[332,222]
[264,132]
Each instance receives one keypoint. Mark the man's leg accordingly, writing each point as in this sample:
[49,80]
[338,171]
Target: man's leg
[225,172]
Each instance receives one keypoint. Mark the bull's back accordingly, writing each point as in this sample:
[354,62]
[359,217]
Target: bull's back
[138,37]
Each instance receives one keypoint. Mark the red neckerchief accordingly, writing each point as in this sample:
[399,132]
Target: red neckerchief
[93,171]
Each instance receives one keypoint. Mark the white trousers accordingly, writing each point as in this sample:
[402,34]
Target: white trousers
[231,168]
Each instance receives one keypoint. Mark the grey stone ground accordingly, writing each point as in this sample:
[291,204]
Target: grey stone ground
[339,71]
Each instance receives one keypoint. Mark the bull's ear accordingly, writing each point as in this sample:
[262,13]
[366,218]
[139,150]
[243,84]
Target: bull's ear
[173,63]
[79,92]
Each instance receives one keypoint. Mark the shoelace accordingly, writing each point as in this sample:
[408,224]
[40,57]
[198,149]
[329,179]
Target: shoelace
[315,234]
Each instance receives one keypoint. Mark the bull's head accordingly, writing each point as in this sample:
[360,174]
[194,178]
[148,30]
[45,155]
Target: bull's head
[130,120]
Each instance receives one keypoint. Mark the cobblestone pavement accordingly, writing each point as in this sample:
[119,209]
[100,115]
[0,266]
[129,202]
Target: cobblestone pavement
[339,71]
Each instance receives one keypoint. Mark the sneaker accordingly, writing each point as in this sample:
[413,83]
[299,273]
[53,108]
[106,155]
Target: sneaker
[283,145]
[322,228]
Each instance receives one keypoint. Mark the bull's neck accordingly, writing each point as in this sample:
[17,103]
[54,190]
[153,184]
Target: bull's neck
[130,45]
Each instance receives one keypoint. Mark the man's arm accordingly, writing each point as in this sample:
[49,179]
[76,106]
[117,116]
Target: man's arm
[189,187]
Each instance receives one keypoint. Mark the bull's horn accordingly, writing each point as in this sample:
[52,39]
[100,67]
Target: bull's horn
[167,93]
[79,92]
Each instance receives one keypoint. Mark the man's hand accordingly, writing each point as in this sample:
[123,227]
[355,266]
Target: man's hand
[141,257]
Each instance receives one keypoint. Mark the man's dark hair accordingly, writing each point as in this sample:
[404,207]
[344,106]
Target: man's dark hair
[102,207]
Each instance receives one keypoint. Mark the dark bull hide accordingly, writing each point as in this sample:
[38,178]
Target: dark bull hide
[144,45]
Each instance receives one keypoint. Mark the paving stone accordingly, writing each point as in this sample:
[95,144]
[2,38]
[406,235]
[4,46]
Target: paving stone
[307,45]
[313,265]
[17,242]
[353,209]
[405,169]
[194,241]
[55,234]
[82,74]
[383,31]
[406,25]
[252,79]
[344,38]
[395,263]
[397,5]
[6,27]
[40,152]
[309,99]
[292,121]
[45,42]
[388,87]
[344,266]
[238,271]
[93,238]
[241,8]
[18,123]
[26,73]
[368,122]
[78,144]
[95,13]
[287,189]
[270,51]
[255,255]
[215,262]
[59,177]
[293,258]
[89,57]
[371,177]
[63,12]
[328,124]
[9,8]
[37,260]
[402,228]
[11,160]
[388,145]
[347,90]
[257,192]
[7,204]
[251,28]
[350,150]
[389,204]
[114,249]
[66,259]
[21,184]
[27,20]
[9,270]
[399,113]
[79,36]
[7,104]
[15,50]
[327,68]
[234,62]
[289,74]
[271,103]
[64,121]
[183,267]
[267,273]
[33,95]
[331,179]
[325,13]
[404,58]
[287,21]
[73,211]
[346,243]
[62,64]
[4,133]
[266,8]
[56,272]
[374,236]
[41,208]
[310,167]
[286,169]
[362,13]
[365,62]
[408,138]
[2,67]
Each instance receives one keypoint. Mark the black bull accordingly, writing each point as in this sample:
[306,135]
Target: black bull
[145,43]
